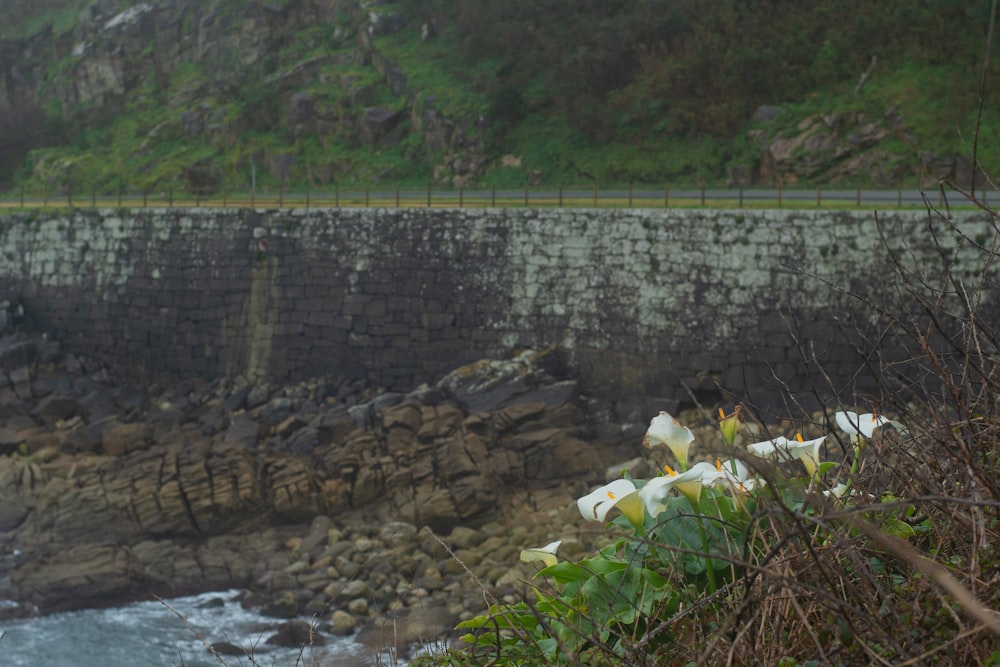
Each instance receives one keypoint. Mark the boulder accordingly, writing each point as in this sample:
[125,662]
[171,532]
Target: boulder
[296,634]
[342,623]
[377,123]
[285,605]
[410,627]
[118,439]
[56,407]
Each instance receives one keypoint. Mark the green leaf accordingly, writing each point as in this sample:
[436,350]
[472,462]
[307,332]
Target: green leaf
[898,528]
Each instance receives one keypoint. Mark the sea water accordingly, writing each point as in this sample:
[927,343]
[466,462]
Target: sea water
[150,634]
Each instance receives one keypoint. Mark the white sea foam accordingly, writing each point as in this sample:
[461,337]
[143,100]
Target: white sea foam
[148,634]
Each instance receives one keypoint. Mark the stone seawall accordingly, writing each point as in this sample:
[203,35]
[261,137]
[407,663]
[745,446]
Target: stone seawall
[638,301]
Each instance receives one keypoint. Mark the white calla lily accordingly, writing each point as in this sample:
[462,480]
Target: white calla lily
[774,448]
[839,491]
[664,429]
[620,493]
[856,425]
[546,554]
[689,483]
[731,473]
[808,452]
[783,449]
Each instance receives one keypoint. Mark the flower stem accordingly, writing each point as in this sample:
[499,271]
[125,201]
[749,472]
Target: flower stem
[854,466]
[709,570]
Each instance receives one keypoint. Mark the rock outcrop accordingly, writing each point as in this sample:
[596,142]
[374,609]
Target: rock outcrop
[846,147]
[110,493]
[137,52]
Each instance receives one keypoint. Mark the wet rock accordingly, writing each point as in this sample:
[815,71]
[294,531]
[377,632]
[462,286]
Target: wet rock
[296,634]
[463,537]
[257,396]
[304,441]
[225,648]
[398,533]
[286,605]
[118,439]
[317,536]
[342,623]
[275,411]
[12,513]
[243,432]
[409,627]
[57,407]
[9,440]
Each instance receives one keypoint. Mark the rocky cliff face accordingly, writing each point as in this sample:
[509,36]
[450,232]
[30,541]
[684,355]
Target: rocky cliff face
[109,493]
[226,70]
[845,147]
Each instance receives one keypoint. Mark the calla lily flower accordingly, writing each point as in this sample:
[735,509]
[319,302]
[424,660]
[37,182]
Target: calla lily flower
[546,554]
[784,449]
[775,448]
[689,483]
[839,491]
[856,425]
[729,424]
[729,473]
[734,475]
[620,493]
[664,429]
[807,451]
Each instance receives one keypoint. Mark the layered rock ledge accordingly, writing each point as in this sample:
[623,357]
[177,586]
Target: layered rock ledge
[324,498]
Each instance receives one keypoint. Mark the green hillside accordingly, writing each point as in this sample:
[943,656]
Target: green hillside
[207,95]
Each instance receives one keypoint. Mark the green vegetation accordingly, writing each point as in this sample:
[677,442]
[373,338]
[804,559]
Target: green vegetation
[873,542]
[493,94]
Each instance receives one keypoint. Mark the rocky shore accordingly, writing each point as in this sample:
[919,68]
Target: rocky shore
[385,514]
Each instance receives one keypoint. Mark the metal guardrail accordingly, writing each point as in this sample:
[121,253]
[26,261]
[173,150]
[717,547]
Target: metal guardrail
[559,197]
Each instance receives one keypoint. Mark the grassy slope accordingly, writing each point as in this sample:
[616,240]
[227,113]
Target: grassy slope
[145,149]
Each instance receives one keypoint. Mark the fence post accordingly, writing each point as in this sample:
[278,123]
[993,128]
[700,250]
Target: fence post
[666,196]
[307,195]
[702,195]
[741,196]
[336,195]
[252,197]
[819,198]
[429,186]
[461,196]
[397,196]
[281,193]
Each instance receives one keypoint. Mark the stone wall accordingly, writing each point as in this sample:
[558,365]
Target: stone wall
[640,301]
